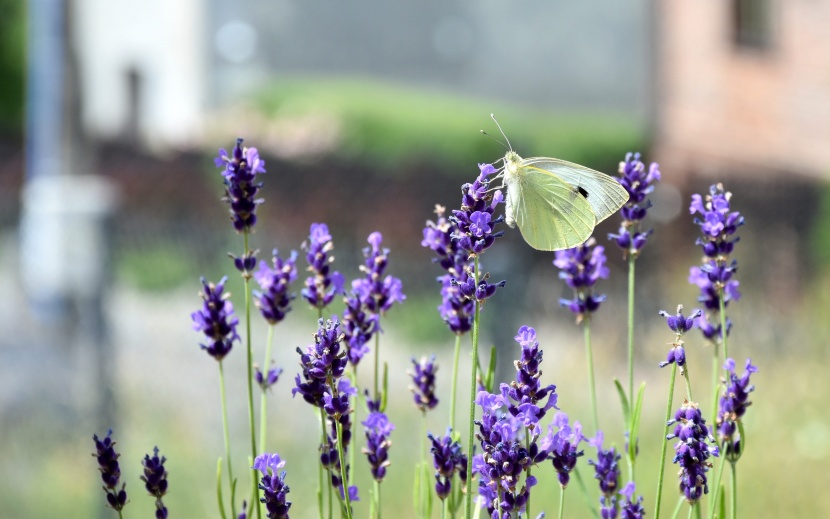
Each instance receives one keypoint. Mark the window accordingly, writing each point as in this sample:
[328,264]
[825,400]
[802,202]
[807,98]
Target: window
[752,23]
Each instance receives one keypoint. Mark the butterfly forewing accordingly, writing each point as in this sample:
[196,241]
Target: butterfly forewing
[550,214]
[605,194]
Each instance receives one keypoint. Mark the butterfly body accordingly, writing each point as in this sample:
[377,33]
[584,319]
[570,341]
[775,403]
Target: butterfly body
[556,204]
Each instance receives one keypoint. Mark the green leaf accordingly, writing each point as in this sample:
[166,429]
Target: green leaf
[722,502]
[623,401]
[635,425]
[416,491]
[219,489]
[491,371]
[427,489]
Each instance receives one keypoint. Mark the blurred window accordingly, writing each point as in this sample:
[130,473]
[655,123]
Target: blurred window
[752,23]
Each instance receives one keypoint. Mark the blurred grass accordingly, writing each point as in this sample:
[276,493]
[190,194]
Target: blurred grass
[388,124]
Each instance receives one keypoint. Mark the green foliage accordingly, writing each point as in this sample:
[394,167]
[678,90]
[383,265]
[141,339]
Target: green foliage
[155,268]
[12,64]
[391,124]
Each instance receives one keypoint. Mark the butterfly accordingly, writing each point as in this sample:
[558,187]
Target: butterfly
[556,203]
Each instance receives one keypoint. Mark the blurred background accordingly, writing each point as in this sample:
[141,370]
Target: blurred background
[367,115]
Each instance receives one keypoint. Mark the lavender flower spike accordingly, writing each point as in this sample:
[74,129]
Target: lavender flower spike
[581,267]
[692,450]
[155,480]
[423,378]
[474,221]
[323,284]
[562,447]
[273,485]
[447,458]
[631,509]
[216,319]
[240,170]
[378,429]
[607,473]
[110,471]
[639,182]
[733,404]
[274,300]
[679,324]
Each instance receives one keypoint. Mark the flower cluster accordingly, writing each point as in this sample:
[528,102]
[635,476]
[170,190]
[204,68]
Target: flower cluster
[679,324]
[155,480]
[631,509]
[475,222]
[581,267]
[448,459]
[456,310]
[562,446]
[423,378]
[692,450]
[371,296]
[241,188]
[733,404]
[607,472]
[321,287]
[274,300]
[216,320]
[378,428]
[522,396]
[110,471]
[639,182]
[273,485]
[266,380]
[718,225]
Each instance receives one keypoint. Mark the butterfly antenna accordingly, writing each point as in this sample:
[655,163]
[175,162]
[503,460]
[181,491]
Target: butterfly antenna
[488,135]
[510,146]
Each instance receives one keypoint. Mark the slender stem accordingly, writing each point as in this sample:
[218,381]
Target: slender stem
[664,443]
[691,510]
[339,429]
[422,481]
[264,397]
[527,446]
[254,486]
[120,516]
[716,366]
[716,493]
[444,505]
[226,434]
[733,513]
[323,445]
[377,498]
[454,380]
[677,508]
[631,262]
[471,438]
[377,365]
[592,387]
[688,382]
[698,507]
[722,307]
[355,419]
[561,502]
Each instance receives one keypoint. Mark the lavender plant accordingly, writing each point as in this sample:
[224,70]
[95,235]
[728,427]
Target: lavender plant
[110,472]
[155,480]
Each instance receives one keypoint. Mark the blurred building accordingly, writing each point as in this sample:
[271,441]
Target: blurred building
[744,87]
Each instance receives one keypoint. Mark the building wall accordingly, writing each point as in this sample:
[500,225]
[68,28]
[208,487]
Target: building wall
[746,110]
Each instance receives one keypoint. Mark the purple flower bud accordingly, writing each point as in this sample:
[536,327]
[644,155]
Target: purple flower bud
[321,287]
[240,171]
[423,378]
[581,267]
[274,300]
[110,471]
[639,182]
[378,428]
[273,485]
[732,406]
[216,320]
[692,450]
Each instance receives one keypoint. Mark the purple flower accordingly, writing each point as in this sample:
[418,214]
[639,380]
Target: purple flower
[562,446]
[323,363]
[448,459]
[378,428]
[273,485]
[423,378]
[474,220]
[216,320]
[733,403]
[322,285]
[607,472]
[679,324]
[359,324]
[523,395]
[581,267]
[274,300]
[267,380]
[240,171]
[456,309]
[110,471]
[639,182]
[155,480]
[692,450]
[631,509]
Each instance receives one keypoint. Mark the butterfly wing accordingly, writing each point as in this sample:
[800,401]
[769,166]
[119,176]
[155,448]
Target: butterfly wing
[605,194]
[549,212]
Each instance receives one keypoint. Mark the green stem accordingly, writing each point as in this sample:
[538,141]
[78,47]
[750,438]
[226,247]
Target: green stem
[444,505]
[422,484]
[665,442]
[592,387]
[562,502]
[697,508]
[264,397]
[355,419]
[377,498]
[254,486]
[733,509]
[716,493]
[454,380]
[631,261]
[323,445]
[716,367]
[471,437]
[119,515]
[377,366]
[527,446]
[339,429]
[691,511]
[688,382]
[722,307]
[677,508]
[226,432]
